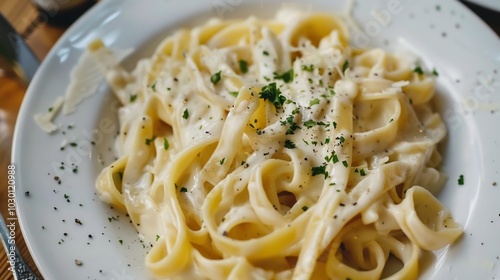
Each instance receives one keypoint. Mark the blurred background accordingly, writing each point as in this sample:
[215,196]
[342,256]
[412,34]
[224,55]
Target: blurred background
[34,26]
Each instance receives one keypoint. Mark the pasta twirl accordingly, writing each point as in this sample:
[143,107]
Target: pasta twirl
[270,149]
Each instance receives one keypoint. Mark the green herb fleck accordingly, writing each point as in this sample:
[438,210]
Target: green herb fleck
[345,66]
[418,70]
[154,87]
[215,78]
[73,144]
[166,145]
[289,144]
[341,139]
[292,125]
[222,161]
[304,208]
[265,53]
[362,172]
[317,170]
[273,94]
[234,93]
[435,72]
[185,114]
[335,158]
[334,125]
[157,237]
[121,241]
[315,101]
[183,189]
[308,68]
[461,180]
[50,109]
[243,66]
[345,163]
[148,141]
[133,97]
[286,77]
[309,123]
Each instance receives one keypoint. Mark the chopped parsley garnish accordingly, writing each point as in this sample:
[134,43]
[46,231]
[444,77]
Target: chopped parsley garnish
[73,144]
[341,139]
[334,125]
[309,123]
[304,208]
[234,93]
[215,78]
[50,109]
[308,68]
[273,94]
[435,72]
[345,163]
[266,53]
[157,237]
[315,101]
[166,145]
[243,66]
[183,189]
[317,170]
[121,241]
[335,158]
[133,97]
[292,125]
[362,172]
[154,87]
[332,92]
[418,70]
[391,120]
[185,114]
[222,161]
[148,141]
[286,77]
[289,144]
[345,66]
[461,180]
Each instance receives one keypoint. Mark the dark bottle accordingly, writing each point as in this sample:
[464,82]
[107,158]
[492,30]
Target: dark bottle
[62,12]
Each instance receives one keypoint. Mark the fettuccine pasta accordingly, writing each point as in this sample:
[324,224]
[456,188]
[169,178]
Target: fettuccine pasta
[270,149]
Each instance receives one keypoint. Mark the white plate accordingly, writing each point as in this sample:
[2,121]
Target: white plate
[446,36]
[490,4]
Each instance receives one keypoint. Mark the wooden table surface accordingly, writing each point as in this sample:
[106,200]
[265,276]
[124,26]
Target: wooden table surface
[41,37]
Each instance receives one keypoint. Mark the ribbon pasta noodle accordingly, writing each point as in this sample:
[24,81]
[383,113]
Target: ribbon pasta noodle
[271,149]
